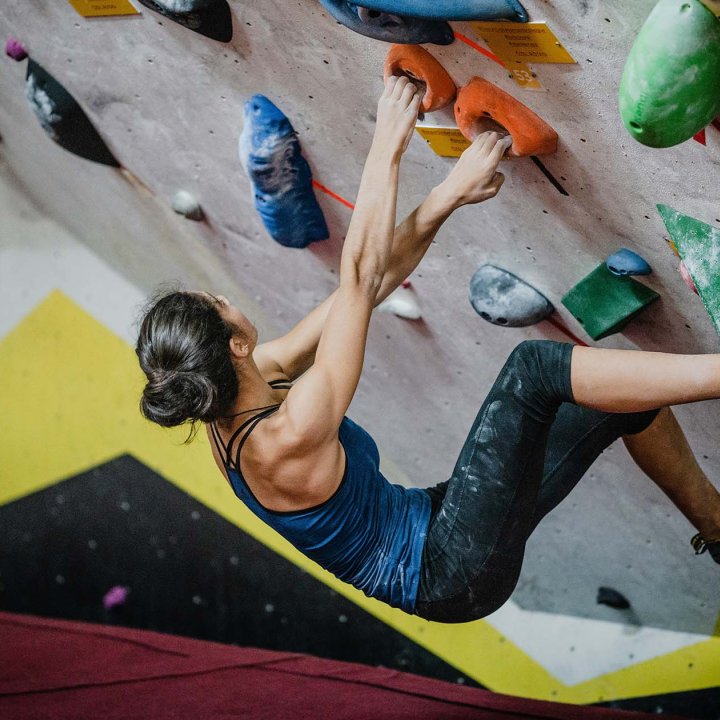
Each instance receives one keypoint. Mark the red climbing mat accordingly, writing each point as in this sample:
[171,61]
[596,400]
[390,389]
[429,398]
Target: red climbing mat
[61,670]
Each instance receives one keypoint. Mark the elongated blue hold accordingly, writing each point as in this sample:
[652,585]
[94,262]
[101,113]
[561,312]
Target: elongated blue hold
[453,9]
[62,118]
[627,262]
[504,299]
[281,177]
[389,27]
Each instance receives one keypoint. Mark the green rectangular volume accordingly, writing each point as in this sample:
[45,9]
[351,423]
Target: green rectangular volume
[604,303]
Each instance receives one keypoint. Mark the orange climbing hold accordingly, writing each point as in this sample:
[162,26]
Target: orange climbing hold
[418,64]
[482,105]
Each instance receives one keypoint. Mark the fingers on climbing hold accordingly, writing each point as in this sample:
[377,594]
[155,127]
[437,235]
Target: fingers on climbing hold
[14,49]
[627,262]
[453,9]
[281,177]
[669,87]
[62,118]
[482,105]
[504,299]
[424,70]
[211,18]
[185,203]
[389,26]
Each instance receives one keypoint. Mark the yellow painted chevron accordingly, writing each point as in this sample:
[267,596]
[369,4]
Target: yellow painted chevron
[70,402]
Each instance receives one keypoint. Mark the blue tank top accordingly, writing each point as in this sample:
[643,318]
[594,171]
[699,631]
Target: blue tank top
[370,533]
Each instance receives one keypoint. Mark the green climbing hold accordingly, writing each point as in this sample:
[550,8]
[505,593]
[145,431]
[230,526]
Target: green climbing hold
[699,246]
[604,303]
[670,89]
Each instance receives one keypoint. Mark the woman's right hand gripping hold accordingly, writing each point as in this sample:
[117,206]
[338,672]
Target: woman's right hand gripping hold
[315,406]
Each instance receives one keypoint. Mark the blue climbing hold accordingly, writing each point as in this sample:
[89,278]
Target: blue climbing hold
[504,299]
[282,180]
[389,27]
[211,18]
[62,119]
[627,262]
[453,9]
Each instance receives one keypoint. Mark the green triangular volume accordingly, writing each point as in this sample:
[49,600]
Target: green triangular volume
[699,246]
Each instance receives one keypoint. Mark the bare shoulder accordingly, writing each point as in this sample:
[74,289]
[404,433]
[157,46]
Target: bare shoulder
[285,470]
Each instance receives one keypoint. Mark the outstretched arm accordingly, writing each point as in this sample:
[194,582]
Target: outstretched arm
[315,406]
[473,179]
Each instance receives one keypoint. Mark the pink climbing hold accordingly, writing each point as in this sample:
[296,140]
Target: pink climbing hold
[14,49]
[115,596]
[685,274]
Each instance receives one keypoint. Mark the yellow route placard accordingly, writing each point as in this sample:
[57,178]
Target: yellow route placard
[532,42]
[445,141]
[100,8]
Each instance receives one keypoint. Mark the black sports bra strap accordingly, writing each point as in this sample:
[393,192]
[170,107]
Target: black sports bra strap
[222,450]
[255,420]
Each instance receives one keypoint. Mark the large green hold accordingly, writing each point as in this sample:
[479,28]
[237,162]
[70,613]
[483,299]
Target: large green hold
[604,303]
[699,246]
[670,89]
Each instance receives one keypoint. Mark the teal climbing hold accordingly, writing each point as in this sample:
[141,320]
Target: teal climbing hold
[452,9]
[504,299]
[670,88]
[699,246]
[604,303]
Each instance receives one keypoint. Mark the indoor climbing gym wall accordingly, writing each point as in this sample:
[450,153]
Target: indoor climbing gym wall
[219,144]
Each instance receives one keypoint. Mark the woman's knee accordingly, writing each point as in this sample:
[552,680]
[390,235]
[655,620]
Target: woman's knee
[542,366]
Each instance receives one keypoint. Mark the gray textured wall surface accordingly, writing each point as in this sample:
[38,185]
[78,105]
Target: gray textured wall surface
[169,104]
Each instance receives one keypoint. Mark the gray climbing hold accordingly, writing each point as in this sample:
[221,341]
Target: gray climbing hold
[627,262]
[187,204]
[504,299]
[612,598]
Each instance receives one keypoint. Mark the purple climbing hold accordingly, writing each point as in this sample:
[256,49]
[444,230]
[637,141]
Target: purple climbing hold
[627,262]
[115,596]
[14,49]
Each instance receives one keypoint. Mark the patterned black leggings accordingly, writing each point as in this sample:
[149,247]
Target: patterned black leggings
[527,449]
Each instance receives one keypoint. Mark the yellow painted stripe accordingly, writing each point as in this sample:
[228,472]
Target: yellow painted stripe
[71,388]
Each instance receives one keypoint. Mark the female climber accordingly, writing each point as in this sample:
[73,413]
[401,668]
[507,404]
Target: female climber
[275,412]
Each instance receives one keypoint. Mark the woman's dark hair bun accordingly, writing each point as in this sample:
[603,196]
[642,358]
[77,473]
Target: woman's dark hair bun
[172,397]
[184,350]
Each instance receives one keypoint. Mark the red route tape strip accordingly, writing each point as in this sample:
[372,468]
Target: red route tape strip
[332,194]
[479,48]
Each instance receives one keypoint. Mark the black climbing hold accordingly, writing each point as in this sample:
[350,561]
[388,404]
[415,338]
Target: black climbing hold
[612,598]
[62,118]
[211,18]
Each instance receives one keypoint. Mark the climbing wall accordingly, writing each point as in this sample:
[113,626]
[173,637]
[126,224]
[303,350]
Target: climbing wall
[168,103]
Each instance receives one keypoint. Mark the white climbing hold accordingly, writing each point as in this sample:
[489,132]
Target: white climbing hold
[403,303]
[187,204]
